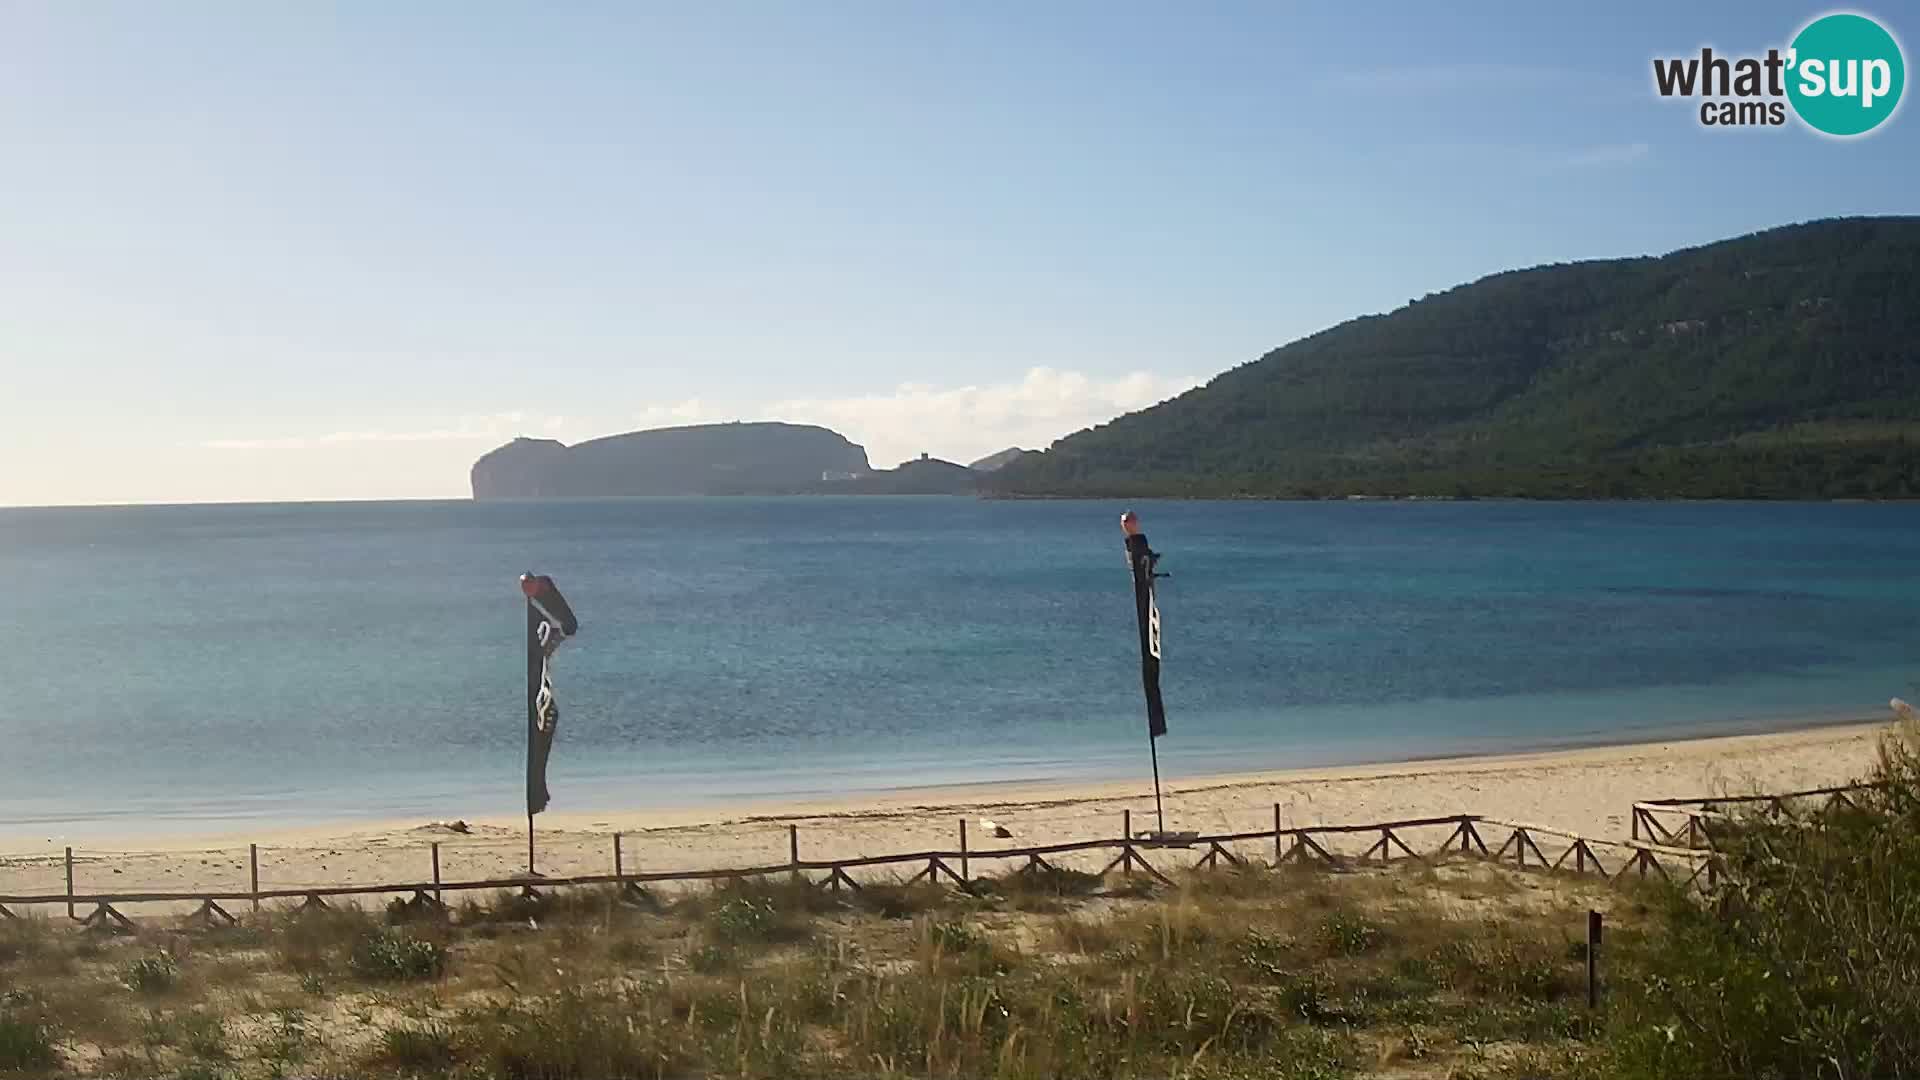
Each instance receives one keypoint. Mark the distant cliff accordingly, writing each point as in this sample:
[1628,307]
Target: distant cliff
[925,476]
[706,459]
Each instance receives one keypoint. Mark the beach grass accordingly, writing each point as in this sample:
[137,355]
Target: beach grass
[1038,974]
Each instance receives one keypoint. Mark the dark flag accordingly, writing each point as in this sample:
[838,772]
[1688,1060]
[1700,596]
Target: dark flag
[549,622]
[1142,560]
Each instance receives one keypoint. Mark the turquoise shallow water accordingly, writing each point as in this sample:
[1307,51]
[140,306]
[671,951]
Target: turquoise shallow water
[195,668]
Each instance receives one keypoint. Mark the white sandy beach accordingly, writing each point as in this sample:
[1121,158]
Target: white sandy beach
[1586,791]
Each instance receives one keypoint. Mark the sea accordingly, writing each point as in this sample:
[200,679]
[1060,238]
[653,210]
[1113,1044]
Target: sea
[194,669]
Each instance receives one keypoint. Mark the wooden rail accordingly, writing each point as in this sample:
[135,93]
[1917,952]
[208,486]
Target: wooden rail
[1734,800]
[1295,844]
[1641,857]
[1692,832]
[1698,814]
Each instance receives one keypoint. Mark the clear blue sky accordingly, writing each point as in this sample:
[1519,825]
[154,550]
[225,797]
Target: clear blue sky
[318,251]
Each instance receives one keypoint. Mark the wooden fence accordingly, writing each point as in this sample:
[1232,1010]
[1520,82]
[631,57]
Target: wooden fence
[1289,845]
[1687,823]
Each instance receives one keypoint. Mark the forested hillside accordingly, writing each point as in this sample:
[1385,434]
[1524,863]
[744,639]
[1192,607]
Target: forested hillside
[1785,364]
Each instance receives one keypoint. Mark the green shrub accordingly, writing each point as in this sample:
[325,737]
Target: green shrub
[1315,997]
[1347,934]
[743,920]
[154,974]
[954,938]
[1804,961]
[1264,955]
[393,955]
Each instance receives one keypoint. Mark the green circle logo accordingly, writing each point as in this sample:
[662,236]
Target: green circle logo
[1845,74]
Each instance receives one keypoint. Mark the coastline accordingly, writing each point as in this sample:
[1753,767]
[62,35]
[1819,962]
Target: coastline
[170,833]
[1587,790]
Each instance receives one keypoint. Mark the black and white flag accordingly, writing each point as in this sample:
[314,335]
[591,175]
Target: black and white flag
[549,623]
[1142,559]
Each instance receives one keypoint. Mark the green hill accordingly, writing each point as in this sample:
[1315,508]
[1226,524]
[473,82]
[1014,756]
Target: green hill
[1785,364]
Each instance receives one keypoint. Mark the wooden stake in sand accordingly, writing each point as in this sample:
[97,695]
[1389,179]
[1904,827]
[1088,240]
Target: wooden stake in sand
[1593,960]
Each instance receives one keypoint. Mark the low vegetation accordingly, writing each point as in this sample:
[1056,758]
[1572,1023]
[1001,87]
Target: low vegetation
[1803,963]
[1045,974]
[1807,962]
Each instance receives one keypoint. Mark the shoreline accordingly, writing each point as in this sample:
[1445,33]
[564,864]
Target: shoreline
[175,832]
[1800,735]
[1587,791]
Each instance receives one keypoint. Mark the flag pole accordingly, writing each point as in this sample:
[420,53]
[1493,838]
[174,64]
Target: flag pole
[529,843]
[1159,815]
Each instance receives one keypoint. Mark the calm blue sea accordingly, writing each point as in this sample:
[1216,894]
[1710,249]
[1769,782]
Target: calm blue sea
[192,668]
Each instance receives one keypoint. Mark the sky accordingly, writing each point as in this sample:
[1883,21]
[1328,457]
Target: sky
[255,252]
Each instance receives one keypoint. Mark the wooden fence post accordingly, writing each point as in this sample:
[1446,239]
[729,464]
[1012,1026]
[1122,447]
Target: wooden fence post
[69,883]
[1593,960]
[964,875]
[253,875]
[1277,856]
[436,872]
[616,856]
[793,849]
[1126,826]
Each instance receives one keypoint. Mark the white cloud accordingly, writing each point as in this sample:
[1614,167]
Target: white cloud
[690,411]
[959,423]
[967,422]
